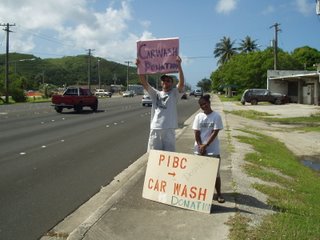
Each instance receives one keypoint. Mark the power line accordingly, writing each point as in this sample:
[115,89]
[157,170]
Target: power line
[46,37]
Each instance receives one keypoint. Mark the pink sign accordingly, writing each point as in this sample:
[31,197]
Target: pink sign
[158,56]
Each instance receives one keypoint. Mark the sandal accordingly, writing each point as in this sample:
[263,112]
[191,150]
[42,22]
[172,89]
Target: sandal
[220,199]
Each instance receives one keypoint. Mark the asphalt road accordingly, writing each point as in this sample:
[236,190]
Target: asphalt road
[52,163]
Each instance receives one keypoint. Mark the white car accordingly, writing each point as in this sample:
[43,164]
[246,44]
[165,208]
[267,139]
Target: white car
[128,93]
[102,93]
[146,100]
[198,93]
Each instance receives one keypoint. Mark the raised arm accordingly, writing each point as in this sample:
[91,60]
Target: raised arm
[180,84]
[143,79]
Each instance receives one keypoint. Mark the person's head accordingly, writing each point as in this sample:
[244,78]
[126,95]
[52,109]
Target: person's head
[166,82]
[205,103]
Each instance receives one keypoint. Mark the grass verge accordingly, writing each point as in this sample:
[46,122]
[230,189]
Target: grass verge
[293,191]
[311,123]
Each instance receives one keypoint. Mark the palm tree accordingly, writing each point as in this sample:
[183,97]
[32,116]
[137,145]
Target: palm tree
[224,50]
[248,45]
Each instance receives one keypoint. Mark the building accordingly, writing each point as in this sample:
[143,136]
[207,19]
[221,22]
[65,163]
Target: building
[301,86]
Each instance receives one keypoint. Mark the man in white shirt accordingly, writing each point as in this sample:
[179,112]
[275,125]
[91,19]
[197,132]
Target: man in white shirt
[164,118]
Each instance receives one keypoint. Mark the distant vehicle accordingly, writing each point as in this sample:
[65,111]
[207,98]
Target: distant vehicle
[198,93]
[128,93]
[254,96]
[76,98]
[102,93]
[138,89]
[184,96]
[191,93]
[146,100]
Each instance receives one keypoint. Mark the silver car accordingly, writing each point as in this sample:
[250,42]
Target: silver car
[146,100]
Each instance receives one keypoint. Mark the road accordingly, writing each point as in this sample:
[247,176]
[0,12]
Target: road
[52,163]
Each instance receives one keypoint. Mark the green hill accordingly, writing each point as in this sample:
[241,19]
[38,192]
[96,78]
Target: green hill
[33,71]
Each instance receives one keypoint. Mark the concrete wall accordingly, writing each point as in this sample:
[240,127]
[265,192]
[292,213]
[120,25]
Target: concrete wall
[302,89]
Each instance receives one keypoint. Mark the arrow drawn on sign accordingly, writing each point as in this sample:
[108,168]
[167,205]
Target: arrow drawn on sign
[172,174]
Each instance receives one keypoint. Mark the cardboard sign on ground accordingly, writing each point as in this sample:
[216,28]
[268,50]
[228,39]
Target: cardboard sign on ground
[181,180]
[158,55]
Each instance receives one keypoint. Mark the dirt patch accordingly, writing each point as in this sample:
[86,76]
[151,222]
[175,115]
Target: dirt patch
[299,142]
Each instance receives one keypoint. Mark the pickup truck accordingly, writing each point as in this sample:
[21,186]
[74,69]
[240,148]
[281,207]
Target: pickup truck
[76,98]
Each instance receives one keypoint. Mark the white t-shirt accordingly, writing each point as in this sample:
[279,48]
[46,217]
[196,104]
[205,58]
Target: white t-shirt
[206,124]
[164,108]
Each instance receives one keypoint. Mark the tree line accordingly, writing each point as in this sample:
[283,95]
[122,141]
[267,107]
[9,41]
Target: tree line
[28,72]
[239,67]
[246,66]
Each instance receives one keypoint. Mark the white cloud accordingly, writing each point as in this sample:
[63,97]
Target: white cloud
[145,24]
[269,9]
[305,7]
[70,27]
[226,6]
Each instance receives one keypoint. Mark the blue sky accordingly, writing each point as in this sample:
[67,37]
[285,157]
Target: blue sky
[56,28]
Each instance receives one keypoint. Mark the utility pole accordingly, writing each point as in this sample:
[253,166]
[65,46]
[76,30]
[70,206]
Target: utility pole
[6,84]
[89,68]
[99,76]
[275,44]
[128,62]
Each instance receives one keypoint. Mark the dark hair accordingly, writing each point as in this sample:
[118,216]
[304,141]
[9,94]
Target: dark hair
[205,97]
[163,77]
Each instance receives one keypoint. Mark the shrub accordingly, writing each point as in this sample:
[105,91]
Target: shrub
[18,95]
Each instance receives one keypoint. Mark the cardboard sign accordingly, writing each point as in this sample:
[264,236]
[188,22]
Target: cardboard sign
[158,56]
[181,180]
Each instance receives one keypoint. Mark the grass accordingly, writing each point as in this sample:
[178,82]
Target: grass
[294,192]
[28,100]
[224,98]
[311,123]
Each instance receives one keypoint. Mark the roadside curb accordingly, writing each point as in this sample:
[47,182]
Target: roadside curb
[122,183]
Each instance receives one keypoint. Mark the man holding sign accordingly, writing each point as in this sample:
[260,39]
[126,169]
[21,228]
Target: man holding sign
[164,118]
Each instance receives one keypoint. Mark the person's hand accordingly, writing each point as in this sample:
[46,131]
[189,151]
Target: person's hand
[179,60]
[202,149]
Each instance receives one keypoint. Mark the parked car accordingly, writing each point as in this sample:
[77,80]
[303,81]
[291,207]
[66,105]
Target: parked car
[254,96]
[102,93]
[198,93]
[146,100]
[128,93]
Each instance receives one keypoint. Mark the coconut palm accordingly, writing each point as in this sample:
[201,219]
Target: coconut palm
[248,45]
[224,50]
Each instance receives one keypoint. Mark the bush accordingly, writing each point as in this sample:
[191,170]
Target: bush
[18,95]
